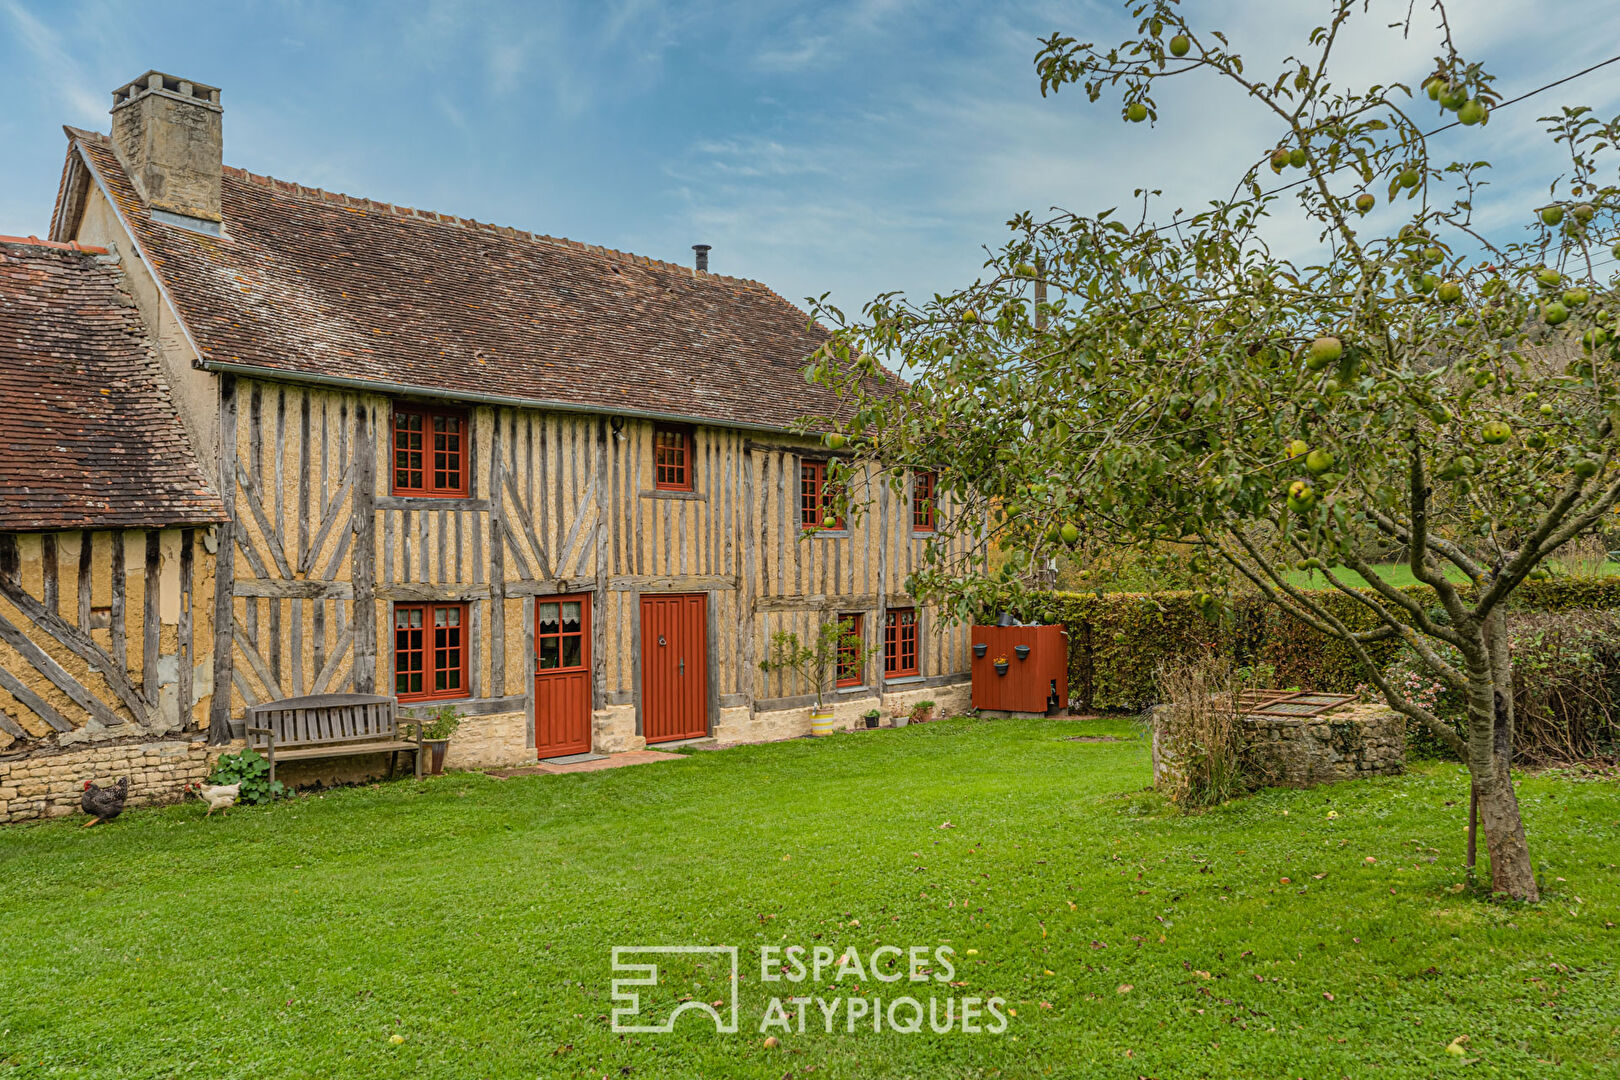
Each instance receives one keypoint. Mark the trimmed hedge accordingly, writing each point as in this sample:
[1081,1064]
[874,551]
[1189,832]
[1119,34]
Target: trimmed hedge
[1117,640]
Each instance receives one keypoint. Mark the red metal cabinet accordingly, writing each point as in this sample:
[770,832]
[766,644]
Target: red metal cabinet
[1030,683]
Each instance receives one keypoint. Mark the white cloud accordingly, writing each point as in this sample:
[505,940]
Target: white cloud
[86,103]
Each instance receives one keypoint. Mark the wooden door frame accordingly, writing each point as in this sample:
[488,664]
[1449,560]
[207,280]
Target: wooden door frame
[587,597]
[711,674]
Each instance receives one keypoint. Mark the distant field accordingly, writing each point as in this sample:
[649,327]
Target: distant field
[1394,573]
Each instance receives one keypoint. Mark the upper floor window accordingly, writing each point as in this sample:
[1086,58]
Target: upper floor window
[430,651]
[850,644]
[672,458]
[922,501]
[900,643]
[430,451]
[816,510]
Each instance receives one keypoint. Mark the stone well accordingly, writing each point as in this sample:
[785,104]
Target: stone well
[1361,739]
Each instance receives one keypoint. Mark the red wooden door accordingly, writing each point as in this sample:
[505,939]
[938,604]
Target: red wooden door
[562,675]
[674,667]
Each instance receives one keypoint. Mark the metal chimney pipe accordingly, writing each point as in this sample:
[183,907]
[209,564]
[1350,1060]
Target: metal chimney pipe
[702,256]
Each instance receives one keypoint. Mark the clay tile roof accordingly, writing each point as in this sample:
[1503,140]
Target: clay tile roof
[89,437]
[324,286]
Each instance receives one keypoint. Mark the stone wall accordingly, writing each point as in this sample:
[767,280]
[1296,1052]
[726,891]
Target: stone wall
[1345,744]
[50,784]
[1351,742]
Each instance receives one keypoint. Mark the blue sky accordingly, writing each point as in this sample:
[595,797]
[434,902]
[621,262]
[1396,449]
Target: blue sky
[849,147]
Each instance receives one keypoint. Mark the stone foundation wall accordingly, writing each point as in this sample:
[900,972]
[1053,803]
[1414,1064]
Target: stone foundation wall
[1345,744]
[49,785]
[495,741]
[741,725]
[613,730]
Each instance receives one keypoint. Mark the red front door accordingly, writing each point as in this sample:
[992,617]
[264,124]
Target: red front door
[562,675]
[674,667]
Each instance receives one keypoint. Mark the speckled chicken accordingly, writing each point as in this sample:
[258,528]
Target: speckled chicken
[103,803]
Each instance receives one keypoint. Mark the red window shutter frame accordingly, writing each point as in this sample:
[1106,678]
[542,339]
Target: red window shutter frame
[428,452]
[900,643]
[673,458]
[849,665]
[430,651]
[814,500]
[923,484]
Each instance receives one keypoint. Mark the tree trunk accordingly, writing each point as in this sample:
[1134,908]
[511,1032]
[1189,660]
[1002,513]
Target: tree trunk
[1490,756]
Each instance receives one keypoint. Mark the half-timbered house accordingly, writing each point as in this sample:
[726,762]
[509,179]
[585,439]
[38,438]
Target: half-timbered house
[554,485]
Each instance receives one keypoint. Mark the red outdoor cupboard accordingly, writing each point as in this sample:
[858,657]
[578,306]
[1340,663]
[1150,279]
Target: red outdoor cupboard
[1037,671]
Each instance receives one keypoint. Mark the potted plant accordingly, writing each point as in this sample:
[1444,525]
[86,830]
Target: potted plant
[440,724]
[1001,665]
[871,716]
[922,712]
[899,719]
[815,662]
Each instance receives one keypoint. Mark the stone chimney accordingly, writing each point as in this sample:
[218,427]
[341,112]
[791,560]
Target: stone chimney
[167,133]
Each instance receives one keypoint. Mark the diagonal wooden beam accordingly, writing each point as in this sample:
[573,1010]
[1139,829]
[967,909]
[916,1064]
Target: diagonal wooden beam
[340,652]
[543,569]
[14,686]
[329,517]
[255,504]
[585,502]
[42,662]
[80,644]
[256,661]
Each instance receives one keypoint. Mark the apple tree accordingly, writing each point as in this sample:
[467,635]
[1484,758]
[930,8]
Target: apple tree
[1418,383]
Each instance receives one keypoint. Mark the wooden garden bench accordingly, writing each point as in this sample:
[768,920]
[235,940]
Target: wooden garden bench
[330,725]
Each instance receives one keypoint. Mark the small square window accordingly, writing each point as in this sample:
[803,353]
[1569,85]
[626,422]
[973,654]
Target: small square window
[429,452]
[816,510]
[672,458]
[430,651]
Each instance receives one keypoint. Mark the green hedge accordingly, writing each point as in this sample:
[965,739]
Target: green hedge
[1117,640]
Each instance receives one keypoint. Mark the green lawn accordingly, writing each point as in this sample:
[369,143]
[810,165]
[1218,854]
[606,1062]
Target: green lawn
[474,918]
[1393,573]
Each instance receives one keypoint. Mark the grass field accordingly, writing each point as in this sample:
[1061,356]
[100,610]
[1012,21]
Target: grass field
[1394,573]
[1312,933]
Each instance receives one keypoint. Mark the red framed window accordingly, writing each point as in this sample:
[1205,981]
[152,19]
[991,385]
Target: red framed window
[849,650]
[922,501]
[815,501]
[430,651]
[672,458]
[430,452]
[900,643]
[560,627]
